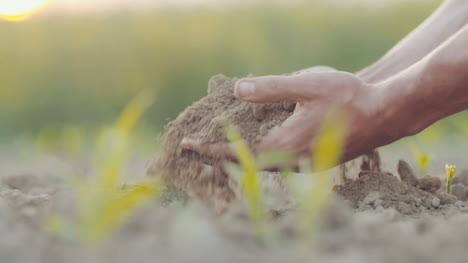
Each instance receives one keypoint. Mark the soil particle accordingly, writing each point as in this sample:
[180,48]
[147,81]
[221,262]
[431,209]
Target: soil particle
[459,191]
[187,170]
[445,198]
[371,161]
[289,106]
[427,203]
[259,112]
[430,183]
[371,198]
[435,202]
[406,173]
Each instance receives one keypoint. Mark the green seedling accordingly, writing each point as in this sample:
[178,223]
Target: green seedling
[451,171]
[249,179]
[103,201]
[325,154]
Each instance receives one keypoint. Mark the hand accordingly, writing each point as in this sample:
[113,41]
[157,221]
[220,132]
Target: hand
[317,93]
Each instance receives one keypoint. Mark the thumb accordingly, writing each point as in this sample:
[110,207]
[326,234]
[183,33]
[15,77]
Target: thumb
[271,89]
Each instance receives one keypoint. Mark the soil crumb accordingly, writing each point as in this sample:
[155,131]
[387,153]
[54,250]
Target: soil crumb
[381,189]
[410,195]
[187,170]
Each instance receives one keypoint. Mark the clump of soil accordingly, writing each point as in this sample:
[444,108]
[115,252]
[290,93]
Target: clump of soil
[374,189]
[410,195]
[187,170]
[460,186]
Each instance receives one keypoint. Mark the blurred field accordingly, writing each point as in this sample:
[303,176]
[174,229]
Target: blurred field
[65,69]
[72,161]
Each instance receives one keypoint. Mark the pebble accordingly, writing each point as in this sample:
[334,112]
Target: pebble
[430,183]
[446,199]
[406,173]
[435,202]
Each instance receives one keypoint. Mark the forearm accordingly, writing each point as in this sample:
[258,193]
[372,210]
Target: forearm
[432,89]
[443,23]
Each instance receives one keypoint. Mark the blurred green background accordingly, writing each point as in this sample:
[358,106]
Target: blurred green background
[61,69]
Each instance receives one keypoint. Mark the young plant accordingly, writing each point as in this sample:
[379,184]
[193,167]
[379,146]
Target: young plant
[451,171]
[103,202]
[249,180]
[325,154]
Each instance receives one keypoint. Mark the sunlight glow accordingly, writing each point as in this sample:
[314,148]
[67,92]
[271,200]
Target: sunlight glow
[18,9]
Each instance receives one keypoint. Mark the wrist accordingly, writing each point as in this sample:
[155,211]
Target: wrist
[401,110]
[411,101]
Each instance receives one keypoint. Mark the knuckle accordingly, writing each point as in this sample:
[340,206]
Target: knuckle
[274,84]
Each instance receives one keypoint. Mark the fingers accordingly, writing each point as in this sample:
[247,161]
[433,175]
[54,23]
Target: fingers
[289,137]
[304,86]
[224,150]
[272,89]
[316,69]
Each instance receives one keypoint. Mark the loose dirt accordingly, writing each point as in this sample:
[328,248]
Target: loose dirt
[190,233]
[188,170]
[408,194]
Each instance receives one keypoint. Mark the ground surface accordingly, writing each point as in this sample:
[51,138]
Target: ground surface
[32,187]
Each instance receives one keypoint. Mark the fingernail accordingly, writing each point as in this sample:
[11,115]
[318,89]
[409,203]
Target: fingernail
[245,89]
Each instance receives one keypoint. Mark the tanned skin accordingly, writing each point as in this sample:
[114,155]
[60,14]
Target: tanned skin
[423,79]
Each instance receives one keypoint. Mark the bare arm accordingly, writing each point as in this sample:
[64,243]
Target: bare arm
[443,23]
[432,89]
[377,114]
